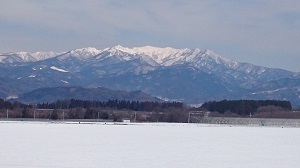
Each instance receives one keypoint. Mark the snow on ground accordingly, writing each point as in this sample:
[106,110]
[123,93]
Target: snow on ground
[70,145]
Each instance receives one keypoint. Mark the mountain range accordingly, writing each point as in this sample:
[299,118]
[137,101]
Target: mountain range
[189,75]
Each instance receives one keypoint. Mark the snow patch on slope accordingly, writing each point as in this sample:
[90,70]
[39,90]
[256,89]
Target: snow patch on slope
[269,91]
[12,97]
[58,69]
[65,81]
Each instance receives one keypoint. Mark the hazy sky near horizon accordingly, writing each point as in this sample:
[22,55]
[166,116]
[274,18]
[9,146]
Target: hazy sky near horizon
[262,32]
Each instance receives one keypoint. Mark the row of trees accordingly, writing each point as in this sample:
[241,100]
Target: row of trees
[115,110]
[245,107]
[145,111]
[168,115]
[114,104]
[9,105]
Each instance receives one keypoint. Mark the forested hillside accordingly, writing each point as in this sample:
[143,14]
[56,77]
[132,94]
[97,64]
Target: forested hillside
[244,107]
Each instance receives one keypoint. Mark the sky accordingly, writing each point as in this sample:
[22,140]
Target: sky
[261,32]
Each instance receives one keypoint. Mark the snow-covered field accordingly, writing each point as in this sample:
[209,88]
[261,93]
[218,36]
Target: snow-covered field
[61,145]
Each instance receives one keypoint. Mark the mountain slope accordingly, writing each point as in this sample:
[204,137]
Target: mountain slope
[100,94]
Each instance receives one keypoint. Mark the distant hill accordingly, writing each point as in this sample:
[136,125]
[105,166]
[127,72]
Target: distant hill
[52,94]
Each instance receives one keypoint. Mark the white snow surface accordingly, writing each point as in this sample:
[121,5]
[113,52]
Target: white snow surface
[58,69]
[62,145]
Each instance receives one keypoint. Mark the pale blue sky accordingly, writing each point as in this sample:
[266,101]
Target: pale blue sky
[262,32]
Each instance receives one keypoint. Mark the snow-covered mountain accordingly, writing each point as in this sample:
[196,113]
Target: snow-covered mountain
[191,75]
[80,54]
[20,57]
[161,56]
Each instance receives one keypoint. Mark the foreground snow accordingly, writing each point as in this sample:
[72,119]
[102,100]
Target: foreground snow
[72,145]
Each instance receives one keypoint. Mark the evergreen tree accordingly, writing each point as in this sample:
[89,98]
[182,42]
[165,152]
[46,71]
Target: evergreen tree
[25,113]
[54,115]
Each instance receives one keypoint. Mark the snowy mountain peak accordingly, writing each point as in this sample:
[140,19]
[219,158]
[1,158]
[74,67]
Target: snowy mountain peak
[80,54]
[116,49]
[209,54]
[153,55]
[91,51]
[155,51]
[25,56]
[161,55]
[147,50]
[44,55]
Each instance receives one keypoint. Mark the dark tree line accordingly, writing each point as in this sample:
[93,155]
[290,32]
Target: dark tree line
[116,110]
[114,104]
[9,105]
[244,107]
